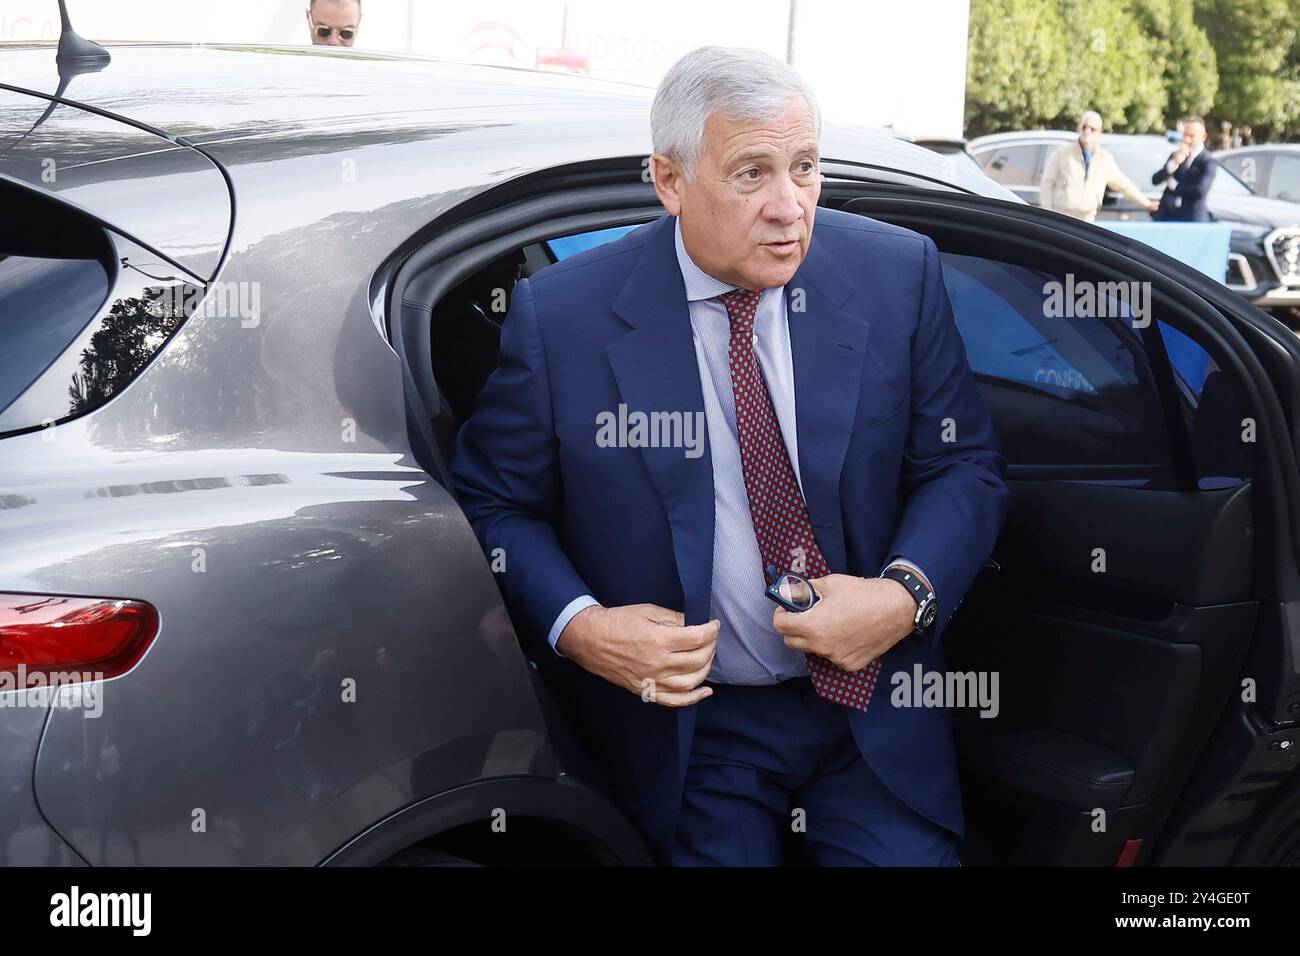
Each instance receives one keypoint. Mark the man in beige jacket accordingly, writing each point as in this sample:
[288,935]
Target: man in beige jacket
[1079,173]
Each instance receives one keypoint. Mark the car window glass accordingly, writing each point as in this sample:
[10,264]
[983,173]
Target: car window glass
[1233,164]
[566,246]
[1013,165]
[1284,179]
[45,302]
[1216,419]
[74,328]
[1063,391]
[1191,363]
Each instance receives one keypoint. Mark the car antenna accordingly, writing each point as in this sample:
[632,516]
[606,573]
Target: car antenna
[74,48]
[76,55]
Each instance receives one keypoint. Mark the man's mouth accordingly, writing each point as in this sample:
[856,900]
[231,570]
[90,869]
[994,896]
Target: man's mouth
[783,248]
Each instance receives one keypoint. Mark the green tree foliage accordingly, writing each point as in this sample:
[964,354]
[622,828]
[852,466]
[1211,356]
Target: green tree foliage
[1141,63]
[1015,67]
[1110,67]
[1184,58]
[1290,78]
[1259,66]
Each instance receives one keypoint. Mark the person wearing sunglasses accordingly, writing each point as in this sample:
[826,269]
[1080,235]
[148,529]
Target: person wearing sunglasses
[334,22]
[1079,173]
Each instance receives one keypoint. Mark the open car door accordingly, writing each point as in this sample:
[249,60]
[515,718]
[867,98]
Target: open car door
[1142,609]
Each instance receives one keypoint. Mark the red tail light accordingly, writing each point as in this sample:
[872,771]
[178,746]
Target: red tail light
[47,633]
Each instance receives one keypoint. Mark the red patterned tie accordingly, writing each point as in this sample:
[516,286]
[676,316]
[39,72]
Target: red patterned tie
[776,504]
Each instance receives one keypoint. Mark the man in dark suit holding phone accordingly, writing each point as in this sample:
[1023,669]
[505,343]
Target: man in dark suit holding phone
[1187,177]
[847,444]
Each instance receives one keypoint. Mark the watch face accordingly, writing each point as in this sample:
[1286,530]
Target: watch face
[929,614]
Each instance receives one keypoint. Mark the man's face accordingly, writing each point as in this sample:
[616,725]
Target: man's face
[747,218]
[1089,131]
[1193,135]
[338,17]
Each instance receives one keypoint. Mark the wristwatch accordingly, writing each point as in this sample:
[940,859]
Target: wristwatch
[927,608]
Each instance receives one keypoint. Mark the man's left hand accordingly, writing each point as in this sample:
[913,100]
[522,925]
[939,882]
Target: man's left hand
[856,620]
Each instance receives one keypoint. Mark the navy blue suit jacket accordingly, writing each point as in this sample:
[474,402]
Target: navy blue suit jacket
[896,452]
[1185,201]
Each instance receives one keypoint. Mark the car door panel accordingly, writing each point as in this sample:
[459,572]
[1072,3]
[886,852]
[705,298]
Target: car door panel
[1166,546]
[1126,595]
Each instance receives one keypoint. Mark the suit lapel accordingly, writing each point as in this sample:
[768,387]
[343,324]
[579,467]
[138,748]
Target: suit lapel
[656,369]
[655,366]
[828,346]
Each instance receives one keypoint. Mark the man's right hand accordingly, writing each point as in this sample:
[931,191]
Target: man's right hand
[643,648]
[1180,154]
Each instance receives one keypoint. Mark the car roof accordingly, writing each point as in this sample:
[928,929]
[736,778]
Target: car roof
[993,139]
[272,96]
[1261,148]
[201,90]
[1055,135]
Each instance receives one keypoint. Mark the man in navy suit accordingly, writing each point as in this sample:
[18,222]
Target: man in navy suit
[1187,176]
[715,399]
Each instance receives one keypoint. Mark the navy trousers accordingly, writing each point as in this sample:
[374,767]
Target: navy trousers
[768,760]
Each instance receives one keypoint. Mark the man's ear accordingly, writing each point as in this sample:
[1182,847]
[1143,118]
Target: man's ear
[668,180]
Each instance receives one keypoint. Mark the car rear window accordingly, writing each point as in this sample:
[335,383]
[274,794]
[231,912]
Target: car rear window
[82,310]
[44,305]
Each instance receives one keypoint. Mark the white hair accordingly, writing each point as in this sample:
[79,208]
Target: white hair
[742,84]
[1091,114]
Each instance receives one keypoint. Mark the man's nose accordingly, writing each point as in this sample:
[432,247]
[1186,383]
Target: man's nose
[784,205]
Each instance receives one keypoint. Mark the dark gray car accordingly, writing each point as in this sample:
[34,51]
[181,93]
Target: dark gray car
[247,295]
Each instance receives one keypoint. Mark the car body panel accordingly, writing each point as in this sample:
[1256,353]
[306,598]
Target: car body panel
[126,176]
[347,575]
[26,838]
[307,99]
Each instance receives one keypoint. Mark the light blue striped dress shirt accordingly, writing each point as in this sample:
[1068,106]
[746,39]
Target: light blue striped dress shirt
[749,648]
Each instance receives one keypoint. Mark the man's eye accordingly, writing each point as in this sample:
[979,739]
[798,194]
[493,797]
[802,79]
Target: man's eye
[750,174]
[807,166]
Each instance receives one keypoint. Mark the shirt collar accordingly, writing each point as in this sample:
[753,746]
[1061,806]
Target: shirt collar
[699,284]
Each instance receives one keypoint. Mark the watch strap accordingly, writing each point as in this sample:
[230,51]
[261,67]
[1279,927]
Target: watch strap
[920,592]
